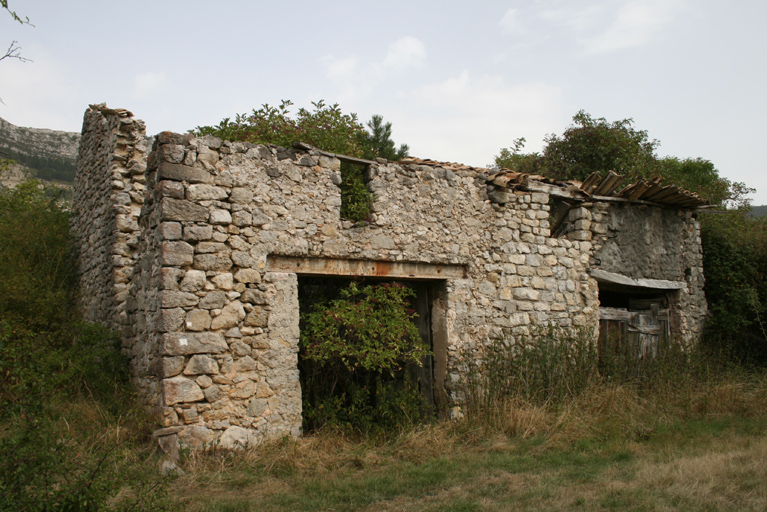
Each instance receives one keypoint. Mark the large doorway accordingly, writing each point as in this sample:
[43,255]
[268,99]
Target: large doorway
[368,389]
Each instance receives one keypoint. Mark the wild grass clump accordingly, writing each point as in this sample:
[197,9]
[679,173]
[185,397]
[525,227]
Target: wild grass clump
[554,383]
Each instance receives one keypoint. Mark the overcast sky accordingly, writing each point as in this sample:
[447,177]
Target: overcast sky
[458,80]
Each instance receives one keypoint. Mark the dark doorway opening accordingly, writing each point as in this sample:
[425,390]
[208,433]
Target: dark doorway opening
[318,392]
[634,324]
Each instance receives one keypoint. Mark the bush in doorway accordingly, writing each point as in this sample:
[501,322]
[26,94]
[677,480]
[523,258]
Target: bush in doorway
[355,351]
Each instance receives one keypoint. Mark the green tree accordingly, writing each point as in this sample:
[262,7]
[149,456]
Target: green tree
[513,158]
[379,143]
[596,145]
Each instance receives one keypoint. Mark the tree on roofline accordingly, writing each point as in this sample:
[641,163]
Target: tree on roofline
[596,145]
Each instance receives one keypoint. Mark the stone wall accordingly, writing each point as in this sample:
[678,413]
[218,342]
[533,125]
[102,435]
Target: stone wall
[211,322]
[107,197]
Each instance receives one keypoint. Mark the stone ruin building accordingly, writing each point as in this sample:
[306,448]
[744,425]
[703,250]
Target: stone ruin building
[193,250]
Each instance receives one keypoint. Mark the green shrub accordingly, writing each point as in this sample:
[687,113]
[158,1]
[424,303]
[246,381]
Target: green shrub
[37,268]
[354,354]
[71,433]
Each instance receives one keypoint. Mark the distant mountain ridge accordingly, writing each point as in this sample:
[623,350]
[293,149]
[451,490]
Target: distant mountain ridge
[758,211]
[48,154]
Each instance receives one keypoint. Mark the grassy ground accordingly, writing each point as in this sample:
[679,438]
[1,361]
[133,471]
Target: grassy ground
[609,449]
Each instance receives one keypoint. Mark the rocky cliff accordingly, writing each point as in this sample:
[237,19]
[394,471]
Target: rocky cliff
[42,153]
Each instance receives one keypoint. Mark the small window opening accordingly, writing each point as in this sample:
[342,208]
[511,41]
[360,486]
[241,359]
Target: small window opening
[356,199]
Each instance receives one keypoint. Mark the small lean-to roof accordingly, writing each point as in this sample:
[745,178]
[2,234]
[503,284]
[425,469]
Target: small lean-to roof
[593,188]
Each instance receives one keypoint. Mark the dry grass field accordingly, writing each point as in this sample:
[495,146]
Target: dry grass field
[687,448]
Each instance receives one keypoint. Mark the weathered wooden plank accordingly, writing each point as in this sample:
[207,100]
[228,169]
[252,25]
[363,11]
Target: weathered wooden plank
[657,284]
[618,314]
[590,183]
[608,184]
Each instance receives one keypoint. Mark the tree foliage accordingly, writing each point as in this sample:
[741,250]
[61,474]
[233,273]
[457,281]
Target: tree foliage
[325,127]
[596,145]
[735,263]
[379,144]
[36,258]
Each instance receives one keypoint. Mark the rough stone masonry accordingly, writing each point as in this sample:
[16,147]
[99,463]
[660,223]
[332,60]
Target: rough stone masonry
[192,250]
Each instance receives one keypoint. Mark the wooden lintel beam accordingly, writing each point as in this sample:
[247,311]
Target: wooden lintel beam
[364,268]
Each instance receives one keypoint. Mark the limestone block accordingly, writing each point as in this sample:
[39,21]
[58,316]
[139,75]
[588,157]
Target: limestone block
[170,231]
[189,343]
[205,192]
[179,389]
[172,189]
[242,218]
[210,248]
[178,172]
[171,319]
[198,320]
[381,241]
[196,437]
[208,159]
[171,366]
[126,224]
[245,364]
[198,232]
[204,381]
[194,280]
[177,253]
[236,438]
[243,259]
[230,316]
[213,262]
[201,364]
[256,296]
[218,216]
[177,299]
[526,294]
[213,300]
[248,275]
[213,393]
[239,348]
[257,407]
[243,390]
[223,281]
[257,318]
[178,209]
[169,278]
[241,195]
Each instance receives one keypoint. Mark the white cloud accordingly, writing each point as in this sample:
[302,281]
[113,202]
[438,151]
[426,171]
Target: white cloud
[635,24]
[511,23]
[598,26]
[406,52]
[356,78]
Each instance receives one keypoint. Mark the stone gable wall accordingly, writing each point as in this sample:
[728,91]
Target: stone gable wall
[213,330]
